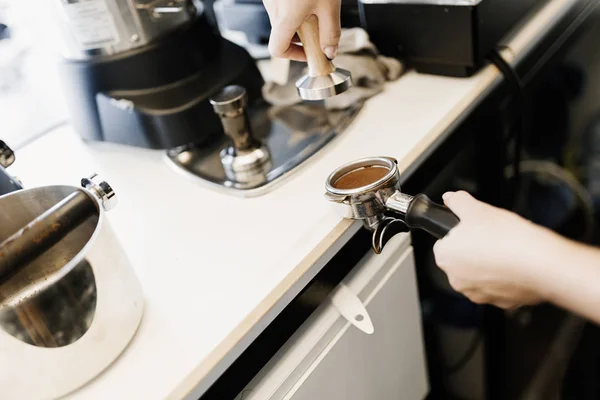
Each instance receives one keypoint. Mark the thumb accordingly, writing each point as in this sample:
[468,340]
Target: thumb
[461,203]
[330,29]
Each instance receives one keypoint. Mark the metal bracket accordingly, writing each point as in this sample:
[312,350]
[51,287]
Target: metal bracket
[351,308]
[385,230]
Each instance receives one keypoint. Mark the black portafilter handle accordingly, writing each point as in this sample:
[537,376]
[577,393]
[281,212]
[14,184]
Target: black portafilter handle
[435,219]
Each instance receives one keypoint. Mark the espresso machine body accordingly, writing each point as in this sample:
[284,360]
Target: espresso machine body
[7,183]
[140,72]
[442,37]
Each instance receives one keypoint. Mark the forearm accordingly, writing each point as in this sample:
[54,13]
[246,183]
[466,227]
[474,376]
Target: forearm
[570,277]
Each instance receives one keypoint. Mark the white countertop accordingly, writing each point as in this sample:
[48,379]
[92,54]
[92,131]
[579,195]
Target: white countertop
[216,269]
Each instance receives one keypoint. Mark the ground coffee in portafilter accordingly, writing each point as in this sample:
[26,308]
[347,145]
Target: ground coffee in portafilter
[360,178]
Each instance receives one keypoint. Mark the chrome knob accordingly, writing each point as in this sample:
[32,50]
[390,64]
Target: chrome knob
[7,156]
[231,100]
[230,105]
[102,190]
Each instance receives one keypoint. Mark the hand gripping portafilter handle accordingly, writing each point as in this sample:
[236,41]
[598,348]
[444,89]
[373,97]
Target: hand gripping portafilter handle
[429,216]
[420,212]
[318,63]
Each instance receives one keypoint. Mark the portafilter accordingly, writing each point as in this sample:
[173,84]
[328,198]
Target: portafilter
[366,189]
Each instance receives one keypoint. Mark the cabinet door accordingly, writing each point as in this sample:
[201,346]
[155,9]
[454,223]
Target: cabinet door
[388,364]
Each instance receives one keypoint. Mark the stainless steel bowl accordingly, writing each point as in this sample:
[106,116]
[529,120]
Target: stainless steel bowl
[68,314]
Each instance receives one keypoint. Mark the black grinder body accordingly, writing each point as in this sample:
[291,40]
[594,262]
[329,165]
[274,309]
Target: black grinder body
[157,96]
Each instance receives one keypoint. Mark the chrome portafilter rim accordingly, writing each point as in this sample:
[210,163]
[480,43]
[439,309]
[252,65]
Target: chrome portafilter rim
[367,203]
[385,162]
[368,195]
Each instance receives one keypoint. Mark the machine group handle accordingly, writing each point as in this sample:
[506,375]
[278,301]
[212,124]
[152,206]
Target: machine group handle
[436,219]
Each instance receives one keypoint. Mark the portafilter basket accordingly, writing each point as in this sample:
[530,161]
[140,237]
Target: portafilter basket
[367,188]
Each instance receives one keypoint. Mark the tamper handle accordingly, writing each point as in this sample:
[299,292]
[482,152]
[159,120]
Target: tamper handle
[431,217]
[318,63]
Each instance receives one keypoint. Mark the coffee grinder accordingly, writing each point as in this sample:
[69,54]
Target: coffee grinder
[157,74]
[265,144]
[141,72]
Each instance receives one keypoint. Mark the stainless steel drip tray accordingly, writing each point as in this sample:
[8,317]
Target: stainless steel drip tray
[291,135]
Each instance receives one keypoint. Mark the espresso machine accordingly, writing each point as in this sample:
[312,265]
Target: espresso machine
[157,74]
[441,37]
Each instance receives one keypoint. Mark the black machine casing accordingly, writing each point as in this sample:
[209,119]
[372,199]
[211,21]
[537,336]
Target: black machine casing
[157,96]
[451,40]
[8,183]
[250,17]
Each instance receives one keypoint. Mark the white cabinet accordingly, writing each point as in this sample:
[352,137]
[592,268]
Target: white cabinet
[331,359]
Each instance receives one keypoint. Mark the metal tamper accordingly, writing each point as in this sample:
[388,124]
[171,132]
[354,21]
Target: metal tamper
[323,80]
[245,158]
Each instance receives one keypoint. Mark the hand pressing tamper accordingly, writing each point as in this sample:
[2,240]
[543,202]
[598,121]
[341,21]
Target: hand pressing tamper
[323,80]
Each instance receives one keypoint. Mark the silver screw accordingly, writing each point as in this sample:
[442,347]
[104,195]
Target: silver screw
[102,190]
[135,38]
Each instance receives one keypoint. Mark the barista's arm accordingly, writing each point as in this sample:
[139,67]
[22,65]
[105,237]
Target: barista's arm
[496,257]
[571,278]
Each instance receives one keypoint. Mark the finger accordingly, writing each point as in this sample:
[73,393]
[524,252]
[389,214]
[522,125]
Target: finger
[461,203]
[281,46]
[330,28]
[506,305]
[445,255]
[283,32]
[478,297]
[439,254]
[460,285]
[296,53]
